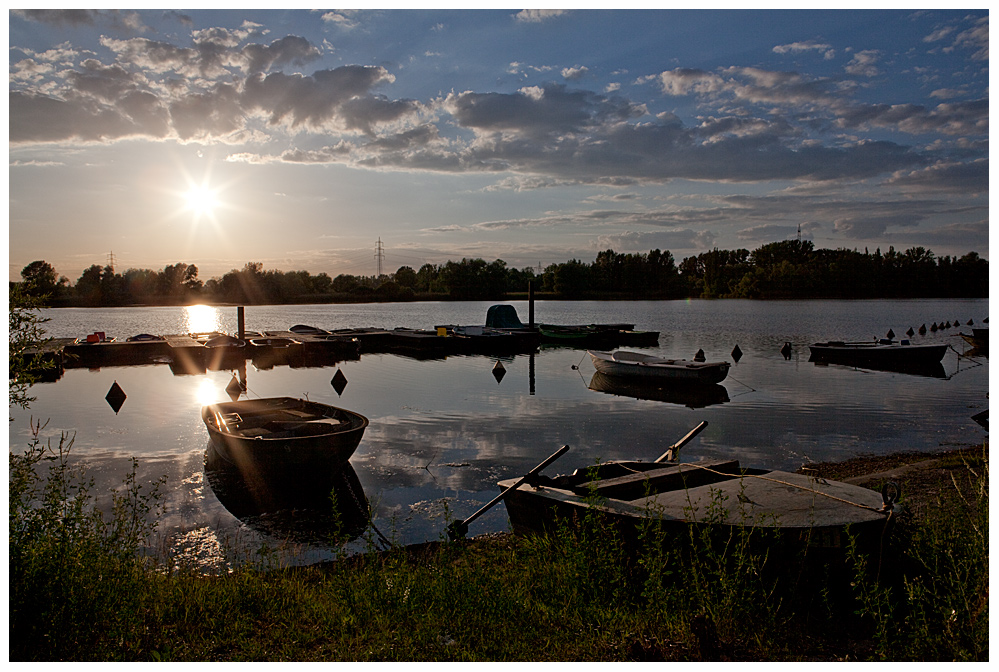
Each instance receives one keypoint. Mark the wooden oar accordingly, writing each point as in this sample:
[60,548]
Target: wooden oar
[674,451]
[459,528]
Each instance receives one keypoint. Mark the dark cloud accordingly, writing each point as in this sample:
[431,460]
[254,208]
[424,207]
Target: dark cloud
[68,17]
[947,177]
[287,50]
[312,101]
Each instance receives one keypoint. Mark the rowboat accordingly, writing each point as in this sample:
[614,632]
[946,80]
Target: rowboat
[638,365]
[715,493]
[691,395]
[881,353]
[283,433]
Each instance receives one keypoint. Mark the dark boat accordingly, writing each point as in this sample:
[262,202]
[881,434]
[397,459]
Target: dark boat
[306,329]
[691,395]
[715,493]
[283,433]
[877,354]
[271,351]
[144,337]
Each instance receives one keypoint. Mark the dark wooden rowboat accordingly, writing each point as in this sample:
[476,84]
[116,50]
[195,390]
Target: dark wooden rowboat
[716,493]
[283,433]
[877,353]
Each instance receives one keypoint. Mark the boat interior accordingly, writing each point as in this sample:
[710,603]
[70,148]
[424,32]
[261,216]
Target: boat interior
[630,481]
[278,423]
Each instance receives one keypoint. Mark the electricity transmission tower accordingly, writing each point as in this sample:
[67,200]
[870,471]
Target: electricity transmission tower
[379,256]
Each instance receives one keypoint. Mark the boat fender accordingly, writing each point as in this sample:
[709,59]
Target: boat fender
[890,492]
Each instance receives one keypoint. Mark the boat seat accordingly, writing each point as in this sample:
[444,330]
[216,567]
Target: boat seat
[671,477]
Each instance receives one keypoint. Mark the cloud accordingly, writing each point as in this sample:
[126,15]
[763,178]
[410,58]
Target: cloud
[632,241]
[863,63]
[538,15]
[871,227]
[576,73]
[343,18]
[945,177]
[828,52]
[67,17]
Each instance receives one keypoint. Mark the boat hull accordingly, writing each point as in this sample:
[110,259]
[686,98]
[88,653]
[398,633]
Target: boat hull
[877,355]
[283,433]
[637,366]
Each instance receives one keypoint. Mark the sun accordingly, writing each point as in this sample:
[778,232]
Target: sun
[201,200]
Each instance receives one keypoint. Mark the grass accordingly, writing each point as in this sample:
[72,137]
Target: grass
[83,589]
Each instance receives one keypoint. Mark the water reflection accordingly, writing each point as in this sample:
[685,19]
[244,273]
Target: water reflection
[691,395]
[314,507]
[934,370]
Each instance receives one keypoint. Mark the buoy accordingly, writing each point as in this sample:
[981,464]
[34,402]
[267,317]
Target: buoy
[934,327]
[786,350]
[947,326]
[890,334]
[339,382]
[234,389]
[736,353]
[922,330]
[498,371]
[699,357]
[910,332]
[115,397]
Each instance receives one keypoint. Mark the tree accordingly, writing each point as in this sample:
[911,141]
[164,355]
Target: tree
[405,277]
[39,278]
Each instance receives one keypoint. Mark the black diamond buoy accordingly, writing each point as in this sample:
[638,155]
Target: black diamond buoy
[786,350]
[234,389]
[736,353]
[890,334]
[499,371]
[910,332]
[339,382]
[699,357]
[115,397]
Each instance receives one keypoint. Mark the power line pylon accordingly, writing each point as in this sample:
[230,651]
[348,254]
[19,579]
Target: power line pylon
[379,256]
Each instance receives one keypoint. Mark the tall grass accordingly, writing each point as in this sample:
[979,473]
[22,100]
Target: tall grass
[82,588]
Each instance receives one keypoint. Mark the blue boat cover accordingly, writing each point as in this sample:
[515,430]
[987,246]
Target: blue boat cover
[503,317]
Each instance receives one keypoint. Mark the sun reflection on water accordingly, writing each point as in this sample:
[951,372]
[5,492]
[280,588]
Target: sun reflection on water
[202,319]
[208,391]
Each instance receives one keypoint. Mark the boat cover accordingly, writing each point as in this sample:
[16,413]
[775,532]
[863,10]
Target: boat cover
[503,317]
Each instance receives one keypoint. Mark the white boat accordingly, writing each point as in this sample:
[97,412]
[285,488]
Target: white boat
[638,365]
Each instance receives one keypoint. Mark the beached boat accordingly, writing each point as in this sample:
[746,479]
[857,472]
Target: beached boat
[715,493]
[878,354]
[283,432]
[639,365]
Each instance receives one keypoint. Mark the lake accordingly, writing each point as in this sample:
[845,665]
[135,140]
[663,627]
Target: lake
[443,432]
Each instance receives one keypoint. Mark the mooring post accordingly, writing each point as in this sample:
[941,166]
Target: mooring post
[530,304]
[240,322]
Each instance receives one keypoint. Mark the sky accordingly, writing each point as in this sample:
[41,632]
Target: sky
[344,141]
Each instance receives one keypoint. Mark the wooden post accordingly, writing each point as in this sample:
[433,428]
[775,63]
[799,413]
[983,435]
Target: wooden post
[530,304]
[240,322]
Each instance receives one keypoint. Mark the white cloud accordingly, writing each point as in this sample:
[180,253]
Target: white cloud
[538,15]
[576,73]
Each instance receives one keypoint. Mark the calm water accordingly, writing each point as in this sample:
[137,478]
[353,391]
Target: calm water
[443,432]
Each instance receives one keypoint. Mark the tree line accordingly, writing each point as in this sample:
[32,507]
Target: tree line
[790,269]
